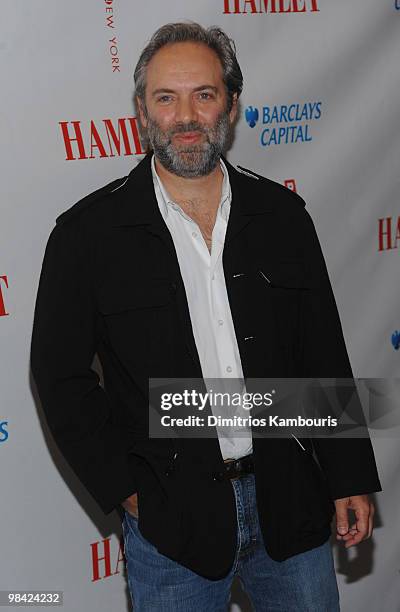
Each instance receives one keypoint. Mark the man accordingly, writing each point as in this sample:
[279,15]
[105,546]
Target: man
[179,271]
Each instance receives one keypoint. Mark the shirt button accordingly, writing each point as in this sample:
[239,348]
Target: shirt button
[229,369]
[194,234]
[220,322]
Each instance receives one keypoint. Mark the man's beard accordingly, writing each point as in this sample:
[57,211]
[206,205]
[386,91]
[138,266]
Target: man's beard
[191,160]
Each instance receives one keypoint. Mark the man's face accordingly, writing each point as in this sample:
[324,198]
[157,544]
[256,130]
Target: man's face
[186,114]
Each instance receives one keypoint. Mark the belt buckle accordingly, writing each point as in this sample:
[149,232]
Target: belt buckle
[240,467]
[237,461]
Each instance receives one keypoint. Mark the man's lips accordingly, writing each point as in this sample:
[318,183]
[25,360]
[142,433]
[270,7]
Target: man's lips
[188,136]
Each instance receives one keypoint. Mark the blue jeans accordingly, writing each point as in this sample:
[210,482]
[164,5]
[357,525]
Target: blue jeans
[303,583]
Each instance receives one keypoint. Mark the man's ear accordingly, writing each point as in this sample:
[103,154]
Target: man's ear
[142,114]
[233,111]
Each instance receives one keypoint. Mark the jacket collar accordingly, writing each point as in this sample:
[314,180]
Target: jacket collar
[138,204]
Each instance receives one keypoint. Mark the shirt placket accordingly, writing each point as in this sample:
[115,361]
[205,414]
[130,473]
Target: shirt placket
[221,350]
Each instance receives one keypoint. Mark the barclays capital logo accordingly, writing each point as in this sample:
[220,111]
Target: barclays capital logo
[251,114]
[283,123]
[3,431]
[396,340]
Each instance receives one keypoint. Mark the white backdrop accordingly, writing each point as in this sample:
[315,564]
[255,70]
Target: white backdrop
[338,64]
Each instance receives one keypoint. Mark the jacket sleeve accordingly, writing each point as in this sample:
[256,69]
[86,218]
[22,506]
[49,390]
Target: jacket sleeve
[348,463]
[63,345]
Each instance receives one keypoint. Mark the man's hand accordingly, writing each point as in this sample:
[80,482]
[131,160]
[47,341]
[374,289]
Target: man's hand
[130,504]
[362,528]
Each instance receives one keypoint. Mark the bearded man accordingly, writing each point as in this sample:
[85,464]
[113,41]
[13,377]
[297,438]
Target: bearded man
[178,271]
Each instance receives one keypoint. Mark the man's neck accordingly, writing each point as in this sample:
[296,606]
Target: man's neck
[206,190]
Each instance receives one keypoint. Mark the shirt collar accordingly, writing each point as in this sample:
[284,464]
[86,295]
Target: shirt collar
[167,203]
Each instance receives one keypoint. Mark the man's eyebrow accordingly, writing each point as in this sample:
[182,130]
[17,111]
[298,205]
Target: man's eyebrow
[200,88]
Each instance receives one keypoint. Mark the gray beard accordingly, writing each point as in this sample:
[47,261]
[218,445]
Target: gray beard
[195,159]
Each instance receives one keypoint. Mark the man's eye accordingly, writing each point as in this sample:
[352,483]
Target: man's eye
[164,98]
[205,95]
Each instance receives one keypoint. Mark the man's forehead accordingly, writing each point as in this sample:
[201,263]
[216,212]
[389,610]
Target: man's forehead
[185,57]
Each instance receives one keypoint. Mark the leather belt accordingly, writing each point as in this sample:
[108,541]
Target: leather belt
[235,468]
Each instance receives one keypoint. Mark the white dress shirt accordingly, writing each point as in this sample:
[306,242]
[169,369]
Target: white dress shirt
[203,276]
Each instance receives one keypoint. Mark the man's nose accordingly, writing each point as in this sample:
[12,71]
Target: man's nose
[185,111]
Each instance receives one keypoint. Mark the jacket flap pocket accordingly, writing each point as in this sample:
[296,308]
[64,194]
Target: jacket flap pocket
[135,295]
[286,274]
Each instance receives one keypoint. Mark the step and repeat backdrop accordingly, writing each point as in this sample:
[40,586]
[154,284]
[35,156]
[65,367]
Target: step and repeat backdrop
[319,114]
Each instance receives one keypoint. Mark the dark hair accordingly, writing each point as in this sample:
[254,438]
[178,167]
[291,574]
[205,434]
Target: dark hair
[213,37]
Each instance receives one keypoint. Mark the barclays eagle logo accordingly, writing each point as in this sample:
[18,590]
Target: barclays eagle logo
[396,340]
[251,114]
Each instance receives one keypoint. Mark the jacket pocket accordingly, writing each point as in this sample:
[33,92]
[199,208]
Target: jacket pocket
[286,275]
[283,285]
[135,296]
[137,320]
[160,508]
[314,489]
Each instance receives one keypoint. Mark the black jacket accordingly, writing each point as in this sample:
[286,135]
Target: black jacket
[110,283]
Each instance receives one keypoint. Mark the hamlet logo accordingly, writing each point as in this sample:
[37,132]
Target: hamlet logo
[283,124]
[273,7]
[3,283]
[106,562]
[388,233]
[101,138]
